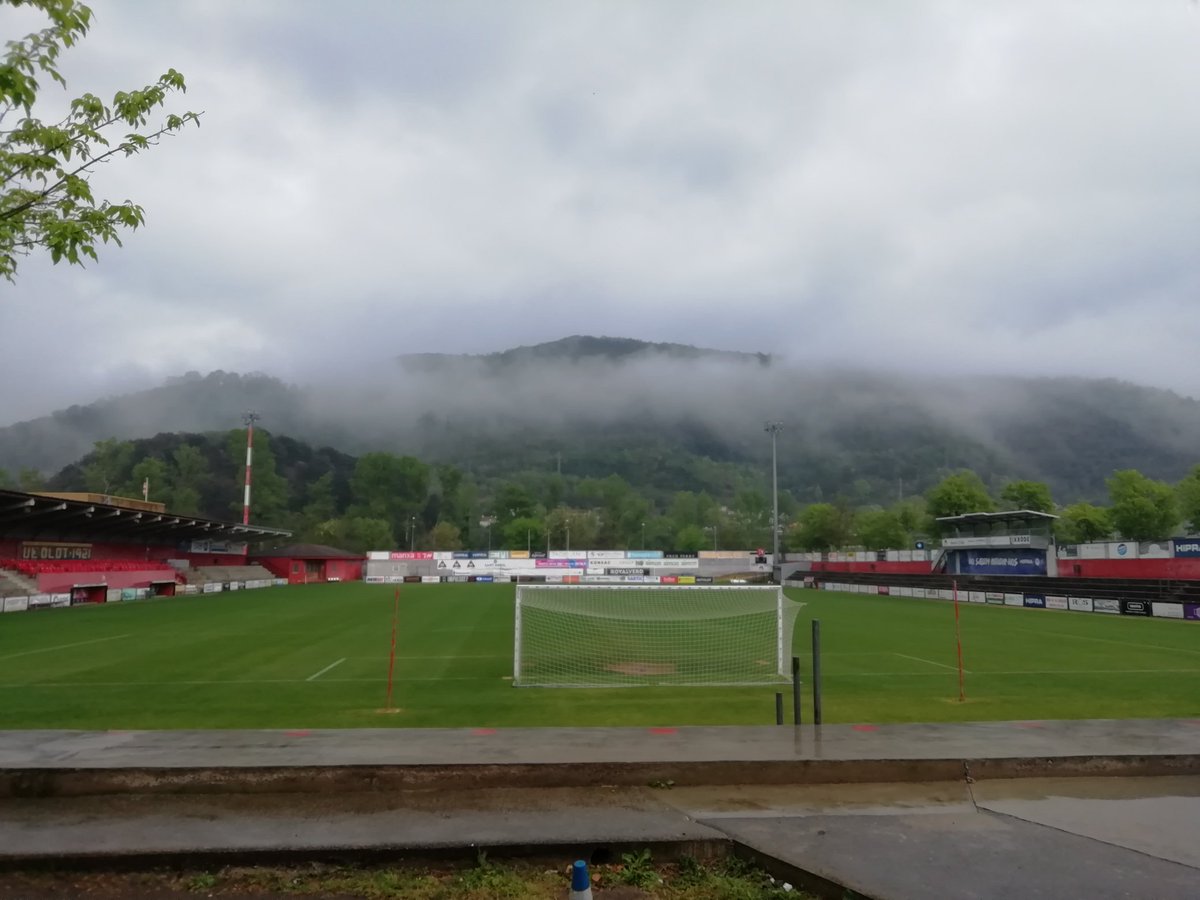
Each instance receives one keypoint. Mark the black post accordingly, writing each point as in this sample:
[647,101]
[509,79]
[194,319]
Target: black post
[796,690]
[778,708]
[816,652]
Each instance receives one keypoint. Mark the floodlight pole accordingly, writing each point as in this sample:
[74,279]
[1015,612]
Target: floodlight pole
[412,540]
[248,419]
[643,535]
[773,428]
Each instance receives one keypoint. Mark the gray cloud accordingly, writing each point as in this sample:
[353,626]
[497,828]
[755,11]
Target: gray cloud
[929,185]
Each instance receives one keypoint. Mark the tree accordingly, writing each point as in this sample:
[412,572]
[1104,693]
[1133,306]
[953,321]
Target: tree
[390,487]
[1142,509]
[107,465]
[958,493]
[6,480]
[357,534]
[822,527]
[525,533]
[1032,495]
[151,472]
[46,200]
[1083,523]
[691,538]
[320,504]
[445,536]
[30,480]
[1188,491]
[880,529]
[187,478]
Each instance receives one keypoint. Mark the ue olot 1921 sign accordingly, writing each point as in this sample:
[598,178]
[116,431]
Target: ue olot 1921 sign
[47,550]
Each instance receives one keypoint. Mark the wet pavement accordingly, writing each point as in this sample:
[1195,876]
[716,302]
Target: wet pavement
[969,835]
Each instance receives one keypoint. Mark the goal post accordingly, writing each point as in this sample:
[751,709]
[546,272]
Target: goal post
[622,635]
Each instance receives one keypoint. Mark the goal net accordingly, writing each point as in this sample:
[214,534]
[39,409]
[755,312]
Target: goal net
[640,635]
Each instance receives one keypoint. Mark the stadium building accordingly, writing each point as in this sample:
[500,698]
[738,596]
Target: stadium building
[61,549]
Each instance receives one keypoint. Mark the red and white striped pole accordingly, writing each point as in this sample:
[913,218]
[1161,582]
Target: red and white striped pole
[250,418]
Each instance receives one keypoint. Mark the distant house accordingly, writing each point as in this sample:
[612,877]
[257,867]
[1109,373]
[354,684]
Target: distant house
[309,563]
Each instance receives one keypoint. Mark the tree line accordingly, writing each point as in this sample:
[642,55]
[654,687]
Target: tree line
[383,500]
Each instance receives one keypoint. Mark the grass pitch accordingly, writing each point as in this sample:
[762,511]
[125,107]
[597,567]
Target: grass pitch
[317,657]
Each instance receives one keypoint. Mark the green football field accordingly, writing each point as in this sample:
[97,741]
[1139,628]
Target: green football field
[317,657]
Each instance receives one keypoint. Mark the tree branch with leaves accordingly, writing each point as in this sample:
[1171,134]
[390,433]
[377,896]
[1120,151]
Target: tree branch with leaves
[46,200]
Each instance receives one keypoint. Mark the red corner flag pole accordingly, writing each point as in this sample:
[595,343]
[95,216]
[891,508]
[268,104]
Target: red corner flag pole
[392,652]
[962,695]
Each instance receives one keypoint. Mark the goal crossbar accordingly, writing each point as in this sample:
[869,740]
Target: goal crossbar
[630,635]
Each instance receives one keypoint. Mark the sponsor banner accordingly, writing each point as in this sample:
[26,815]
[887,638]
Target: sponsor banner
[114,594]
[1167,610]
[237,586]
[129,594]
[606,554]
[518,554]
[554,578]
[568,554]
[443,554]
[460,554]
[945,594]
[885,589]
[37,600]
[1002,562]
[1092,551]
[478,554]
[681,554]
[1080,604]
[704,579]
[1106,605]
[993,599]
[1154,549]
[1123,550]
[59,600]
[373,579]
[430,579]
[194,588]
[731,554]
[1186,547]
[624,570]
[506,579]
[538,554]
[412,579]
[1014,599]
[54,550]
[976,597]
[213,587]
[1057,603]
[1135,607]
[1191,611]
[394,579]
[281,582]
[410,554]
[645,554]
[996,540]
[458,579]
[561,564]
[599,579]
[232,547]
[1035,601]
[14,604]
[932,594]
[670,564]
[378,555]
[483,579]
[497,554]
[669,579]
[687,579]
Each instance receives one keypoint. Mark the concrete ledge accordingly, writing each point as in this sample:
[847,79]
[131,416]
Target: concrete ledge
[334,779]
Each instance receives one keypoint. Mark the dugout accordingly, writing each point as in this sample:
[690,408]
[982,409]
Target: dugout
[89,593]
[1014,542]
[162,588]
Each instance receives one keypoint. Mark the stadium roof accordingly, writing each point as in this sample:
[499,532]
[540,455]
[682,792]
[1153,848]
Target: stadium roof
[24,516]
[1010,515]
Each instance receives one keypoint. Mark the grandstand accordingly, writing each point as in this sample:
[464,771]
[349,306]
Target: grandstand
[84,546]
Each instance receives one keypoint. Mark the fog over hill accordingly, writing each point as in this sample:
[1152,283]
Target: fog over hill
[670,416]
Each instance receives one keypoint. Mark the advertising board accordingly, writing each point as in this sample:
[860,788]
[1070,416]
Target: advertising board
[410,554]
[1166,610]
[1035,601]
[14,604]
[606,554]
[643,554]
[1191,611]
[1014,599]
[702,579]
[681,554]
[518,554]
[1106,605]
[994,599]
[1080,604]
[1123,550]
[1057,603]
[373,579]
[1186,547]
[430,579]
[213,587]
[623,570]
[113,595]
[568,554]
[1002,562]
[884,589]
[1135,607]
[669,579]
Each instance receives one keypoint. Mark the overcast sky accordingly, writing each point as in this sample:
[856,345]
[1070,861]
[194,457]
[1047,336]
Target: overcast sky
[999,187]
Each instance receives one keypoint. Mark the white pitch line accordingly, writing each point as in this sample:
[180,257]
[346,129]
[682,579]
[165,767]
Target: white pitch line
[326,669]
[930,662]
[64,646]
[1086,637]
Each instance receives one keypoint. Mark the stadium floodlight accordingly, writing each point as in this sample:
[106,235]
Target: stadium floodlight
[629,635]
[773,428]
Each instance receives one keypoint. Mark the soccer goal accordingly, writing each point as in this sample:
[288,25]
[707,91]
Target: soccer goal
[642,635]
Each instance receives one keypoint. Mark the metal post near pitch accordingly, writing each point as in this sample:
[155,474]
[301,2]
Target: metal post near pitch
[816,655]
[778,708]
[796,690]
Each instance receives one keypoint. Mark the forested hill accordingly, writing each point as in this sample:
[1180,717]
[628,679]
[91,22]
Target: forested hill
[670,417]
